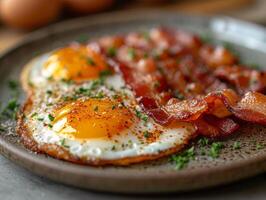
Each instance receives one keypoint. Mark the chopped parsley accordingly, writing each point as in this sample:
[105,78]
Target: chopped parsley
[63,143]
[203,141]
[34,114]
[146,134]
[13,85]
[49,92]
[146,35]
[113,107]
[236,145]
[51,117]
[259,146]
[145,55]
[90,61]
[99,95]
[68,98]
[181,160]
[12,105]
[40,119]
[82,38]
[115,96]
[105,73]
[11,109]
[141,116]
[215,150]
[50,125]
[67,81]
[131,53]
[82,90]
[111,51]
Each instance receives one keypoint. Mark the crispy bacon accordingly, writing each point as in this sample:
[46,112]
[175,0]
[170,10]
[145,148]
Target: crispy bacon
[211,126]
[252,107]
[216,56]
[166,61]
[242,78]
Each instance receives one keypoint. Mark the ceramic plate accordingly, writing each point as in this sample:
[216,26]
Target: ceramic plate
[248,40]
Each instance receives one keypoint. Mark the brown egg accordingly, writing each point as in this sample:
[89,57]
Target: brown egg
[29,14]
[87,6]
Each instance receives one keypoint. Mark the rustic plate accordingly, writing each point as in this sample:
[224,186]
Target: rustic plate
[161,176]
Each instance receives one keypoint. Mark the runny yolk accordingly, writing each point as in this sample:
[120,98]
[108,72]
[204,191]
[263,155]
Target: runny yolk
[74,63]
[92,119]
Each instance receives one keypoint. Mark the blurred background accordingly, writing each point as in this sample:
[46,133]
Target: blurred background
[19,17]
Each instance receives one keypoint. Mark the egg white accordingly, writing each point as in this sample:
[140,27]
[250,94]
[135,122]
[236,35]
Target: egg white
[126,144]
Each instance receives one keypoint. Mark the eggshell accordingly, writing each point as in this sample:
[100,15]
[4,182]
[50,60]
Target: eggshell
[29,14]
[87,6]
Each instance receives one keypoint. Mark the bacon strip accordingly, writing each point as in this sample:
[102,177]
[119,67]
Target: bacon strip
[252,107]
[242,78]
[211,126]
[196,71]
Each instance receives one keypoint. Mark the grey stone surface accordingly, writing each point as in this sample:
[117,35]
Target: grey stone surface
[17,183]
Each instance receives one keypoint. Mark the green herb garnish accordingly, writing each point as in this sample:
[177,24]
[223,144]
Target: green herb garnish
[49,92]
[259,146]
[51,117]
[40,119]
[146,35]
[90,61]
[146,134]
[215,149]
[236,145]
[82,38]
[99,95]
[63,143]
[13,85]
[141,116]
[111,51]
[131,53]
[34,114]
[203,142]
[181,160]
[67,81]
[11,109]
[105,73]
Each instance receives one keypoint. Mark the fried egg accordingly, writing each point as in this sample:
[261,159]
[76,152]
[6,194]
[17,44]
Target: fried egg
[75,63]
[77,112]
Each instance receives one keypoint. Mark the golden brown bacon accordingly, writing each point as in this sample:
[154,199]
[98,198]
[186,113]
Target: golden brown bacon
[162,62]
[242,78]
[211,126]
[216,56]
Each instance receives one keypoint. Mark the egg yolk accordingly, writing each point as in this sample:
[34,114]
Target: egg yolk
[77,63]
[92,119]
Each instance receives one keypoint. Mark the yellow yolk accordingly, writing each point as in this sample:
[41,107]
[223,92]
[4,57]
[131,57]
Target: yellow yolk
[74,63]
[91,119]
